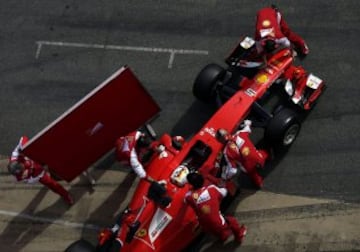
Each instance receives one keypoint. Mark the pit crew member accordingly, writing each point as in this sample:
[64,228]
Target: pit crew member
[205,200]
[26,170]
[131,150]
[240,152]
[271,26]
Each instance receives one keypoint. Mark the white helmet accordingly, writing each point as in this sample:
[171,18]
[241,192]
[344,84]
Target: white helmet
[178,177]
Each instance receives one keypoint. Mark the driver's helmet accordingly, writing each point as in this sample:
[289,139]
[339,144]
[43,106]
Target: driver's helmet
[222,135]
[178,177]
[15,168]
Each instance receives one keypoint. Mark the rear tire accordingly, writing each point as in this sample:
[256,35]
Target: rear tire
[80,246]
[204,87]
[196,244]
[283,129]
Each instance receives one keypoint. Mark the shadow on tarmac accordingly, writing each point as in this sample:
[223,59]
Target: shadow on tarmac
[17,238]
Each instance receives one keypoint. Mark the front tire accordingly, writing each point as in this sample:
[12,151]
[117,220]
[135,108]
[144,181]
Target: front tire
[283,129]
[204,87]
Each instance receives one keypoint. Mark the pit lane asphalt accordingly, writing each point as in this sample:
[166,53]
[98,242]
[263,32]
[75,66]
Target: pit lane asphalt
[323,163]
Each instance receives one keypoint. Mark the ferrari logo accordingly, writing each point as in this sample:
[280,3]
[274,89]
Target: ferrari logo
[245,151]
[266,23]
[206,209]
[141,233]
[261,78]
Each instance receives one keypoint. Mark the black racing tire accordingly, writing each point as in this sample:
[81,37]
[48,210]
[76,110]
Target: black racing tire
[283,129]
[204,88]
[196,244]
[80,246]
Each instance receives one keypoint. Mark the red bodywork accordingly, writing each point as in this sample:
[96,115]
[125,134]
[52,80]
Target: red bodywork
[174,227]
[88,130]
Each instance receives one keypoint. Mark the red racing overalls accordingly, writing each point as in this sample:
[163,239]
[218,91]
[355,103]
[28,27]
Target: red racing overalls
[240,152]
[270,23]
[206,204]
[126,152]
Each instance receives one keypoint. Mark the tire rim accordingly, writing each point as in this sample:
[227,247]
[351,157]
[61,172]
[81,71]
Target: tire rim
[290,134]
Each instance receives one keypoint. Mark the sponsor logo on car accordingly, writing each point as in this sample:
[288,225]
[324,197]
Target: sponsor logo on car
[160,220]
[250,92]
[261,78]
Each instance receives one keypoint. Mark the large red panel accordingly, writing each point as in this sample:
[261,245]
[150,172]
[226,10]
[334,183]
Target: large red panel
[88,130]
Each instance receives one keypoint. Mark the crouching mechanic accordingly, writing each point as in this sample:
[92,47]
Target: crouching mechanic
[271,26]
[132,149]
[240,152]
[272,34]
[206,200]
[28,171]
[136,148]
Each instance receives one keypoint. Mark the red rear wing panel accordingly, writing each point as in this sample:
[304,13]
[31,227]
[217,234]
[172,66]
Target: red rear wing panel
[88,130]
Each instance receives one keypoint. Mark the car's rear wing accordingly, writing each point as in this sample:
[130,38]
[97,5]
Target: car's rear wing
[89,129]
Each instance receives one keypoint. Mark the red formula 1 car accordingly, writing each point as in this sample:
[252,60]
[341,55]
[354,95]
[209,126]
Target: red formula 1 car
[157,219]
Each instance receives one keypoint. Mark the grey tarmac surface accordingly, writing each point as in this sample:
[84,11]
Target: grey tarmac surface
[55,52]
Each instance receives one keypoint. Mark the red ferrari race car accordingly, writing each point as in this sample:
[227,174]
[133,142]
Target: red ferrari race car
[157,219]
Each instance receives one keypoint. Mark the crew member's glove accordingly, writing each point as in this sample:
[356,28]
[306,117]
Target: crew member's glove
[160,148]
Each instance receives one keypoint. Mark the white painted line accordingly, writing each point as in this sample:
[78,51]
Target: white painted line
[171,59]
[49,220]
[171,51]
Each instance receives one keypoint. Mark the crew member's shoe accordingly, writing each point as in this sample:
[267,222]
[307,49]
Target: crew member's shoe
[258,180]
[240,236]
[69,200]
